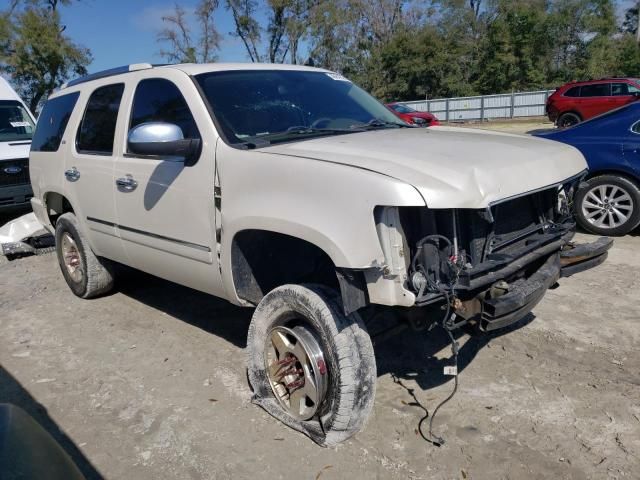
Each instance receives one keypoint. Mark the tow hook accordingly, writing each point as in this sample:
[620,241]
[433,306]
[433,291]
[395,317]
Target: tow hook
[575,258]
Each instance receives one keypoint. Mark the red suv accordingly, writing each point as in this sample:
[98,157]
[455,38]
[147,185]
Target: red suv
[577,101]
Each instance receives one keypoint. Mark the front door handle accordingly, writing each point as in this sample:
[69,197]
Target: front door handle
[126,183]
[72,174]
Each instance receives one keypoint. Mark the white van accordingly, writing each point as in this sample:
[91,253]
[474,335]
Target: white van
[17,125]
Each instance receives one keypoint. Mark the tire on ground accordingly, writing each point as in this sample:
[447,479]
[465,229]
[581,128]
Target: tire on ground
[348,354]
[568,119]
[97,278]
[624,184]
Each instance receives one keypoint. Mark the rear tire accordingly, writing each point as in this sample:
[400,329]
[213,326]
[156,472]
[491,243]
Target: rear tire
[608,205]
[568,119]
[86,274]
[308,319]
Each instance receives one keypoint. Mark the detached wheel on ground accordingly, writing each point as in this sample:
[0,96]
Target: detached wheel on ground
[309,365]
[608,205]
[568,119]
[86,274]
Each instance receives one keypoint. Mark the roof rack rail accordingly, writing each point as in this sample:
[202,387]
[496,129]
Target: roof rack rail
[107,73]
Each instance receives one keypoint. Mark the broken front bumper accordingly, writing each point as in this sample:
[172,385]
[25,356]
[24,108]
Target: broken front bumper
[525,293]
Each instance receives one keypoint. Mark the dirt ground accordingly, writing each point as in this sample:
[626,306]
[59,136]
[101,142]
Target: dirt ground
[149,383]
[522,125]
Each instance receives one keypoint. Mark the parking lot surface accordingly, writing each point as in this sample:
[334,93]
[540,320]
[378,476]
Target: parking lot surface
[149,383]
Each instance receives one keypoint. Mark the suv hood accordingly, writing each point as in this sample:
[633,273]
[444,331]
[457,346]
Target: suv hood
[450,167]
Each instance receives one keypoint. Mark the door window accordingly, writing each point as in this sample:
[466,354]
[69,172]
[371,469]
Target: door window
[98,126]
[618,89]
[595,90]
[572,92]
[52,123]
[159,100]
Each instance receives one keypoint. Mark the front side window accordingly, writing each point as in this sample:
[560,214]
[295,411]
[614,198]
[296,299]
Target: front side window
[53,122]
[595,90]
[15,123]
[98,126]
[257,108]
[159,100]
[572,92]
[633,89]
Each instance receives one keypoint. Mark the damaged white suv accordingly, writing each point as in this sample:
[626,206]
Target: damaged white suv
[292,190]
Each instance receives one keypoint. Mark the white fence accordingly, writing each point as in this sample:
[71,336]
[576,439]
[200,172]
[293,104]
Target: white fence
[507,105]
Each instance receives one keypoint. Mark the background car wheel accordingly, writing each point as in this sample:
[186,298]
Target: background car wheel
[568,119]
[309,365]
[87,275]
[608,205]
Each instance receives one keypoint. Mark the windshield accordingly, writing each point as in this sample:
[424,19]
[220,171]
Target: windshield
[258,107]
[402,108]
[15,122]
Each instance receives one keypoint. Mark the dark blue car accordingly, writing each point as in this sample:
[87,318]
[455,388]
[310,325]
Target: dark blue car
[608,202]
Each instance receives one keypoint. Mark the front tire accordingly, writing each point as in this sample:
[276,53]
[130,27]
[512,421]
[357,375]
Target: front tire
[86,274]
[608,205]
[309,365]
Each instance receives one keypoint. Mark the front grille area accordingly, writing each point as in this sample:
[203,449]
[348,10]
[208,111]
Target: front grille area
[479,234]
[14,172]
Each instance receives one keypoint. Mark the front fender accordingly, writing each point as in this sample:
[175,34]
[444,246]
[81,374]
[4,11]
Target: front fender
[329,205]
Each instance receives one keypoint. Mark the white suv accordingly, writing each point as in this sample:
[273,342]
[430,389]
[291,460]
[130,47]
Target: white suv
[291,189]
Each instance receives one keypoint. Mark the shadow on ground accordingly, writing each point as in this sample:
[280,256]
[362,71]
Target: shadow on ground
[11,391]
[408,355]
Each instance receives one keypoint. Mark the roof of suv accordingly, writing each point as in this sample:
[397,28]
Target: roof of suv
[190,69]
[574,83]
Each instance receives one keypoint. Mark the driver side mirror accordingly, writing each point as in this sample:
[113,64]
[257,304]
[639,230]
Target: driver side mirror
[160,139]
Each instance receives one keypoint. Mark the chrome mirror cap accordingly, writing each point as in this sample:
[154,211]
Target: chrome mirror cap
[155,132]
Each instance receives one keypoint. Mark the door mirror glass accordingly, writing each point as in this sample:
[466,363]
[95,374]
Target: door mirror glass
[160,139]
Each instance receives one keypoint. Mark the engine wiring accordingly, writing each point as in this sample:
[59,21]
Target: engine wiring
[457,263]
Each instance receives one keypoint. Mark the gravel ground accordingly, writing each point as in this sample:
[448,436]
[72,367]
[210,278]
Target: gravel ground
[521,125]
[149,383]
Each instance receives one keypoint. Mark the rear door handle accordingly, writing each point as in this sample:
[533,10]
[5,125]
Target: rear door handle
[126,183]
[72,174]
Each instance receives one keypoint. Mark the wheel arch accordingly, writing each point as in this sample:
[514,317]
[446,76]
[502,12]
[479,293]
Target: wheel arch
[56,204]
[262,260]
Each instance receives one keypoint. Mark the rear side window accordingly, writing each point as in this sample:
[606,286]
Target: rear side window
[159,100]
[98,126]
[619,89]
[595,90]
[52,123]
[572,92]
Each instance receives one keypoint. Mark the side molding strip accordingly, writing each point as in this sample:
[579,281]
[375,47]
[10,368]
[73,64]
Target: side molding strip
[149,234]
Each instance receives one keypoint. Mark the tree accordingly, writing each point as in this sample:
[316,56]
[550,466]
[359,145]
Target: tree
[247,28]
[287,24]
[183,48]
[37,55]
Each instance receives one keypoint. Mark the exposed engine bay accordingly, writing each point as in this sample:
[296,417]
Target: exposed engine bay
[491,266]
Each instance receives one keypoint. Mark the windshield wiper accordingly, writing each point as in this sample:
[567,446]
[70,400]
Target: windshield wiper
[379,123]
[301,129]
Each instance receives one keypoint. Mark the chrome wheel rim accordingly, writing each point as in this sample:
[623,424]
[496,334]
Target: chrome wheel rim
[607,206]
[296,370]
[71,258]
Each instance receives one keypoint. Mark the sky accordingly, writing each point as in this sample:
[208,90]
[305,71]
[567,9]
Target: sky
[121,32]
